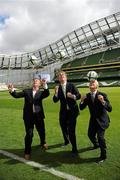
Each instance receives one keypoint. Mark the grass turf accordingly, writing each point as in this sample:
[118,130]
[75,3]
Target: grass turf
[84,166]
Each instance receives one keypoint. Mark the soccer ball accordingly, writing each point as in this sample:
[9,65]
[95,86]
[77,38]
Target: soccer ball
[60,54]
[92,75]
[34,61]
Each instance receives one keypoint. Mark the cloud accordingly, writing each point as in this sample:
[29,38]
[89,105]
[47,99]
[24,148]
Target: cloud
[33,24]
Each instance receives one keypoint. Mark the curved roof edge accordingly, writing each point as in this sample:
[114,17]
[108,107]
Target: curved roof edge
[94,37]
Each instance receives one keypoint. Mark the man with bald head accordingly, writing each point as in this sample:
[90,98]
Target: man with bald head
[98,105]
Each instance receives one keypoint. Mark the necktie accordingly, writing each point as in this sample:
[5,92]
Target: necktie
[34,92]
[64,90]
[92,97]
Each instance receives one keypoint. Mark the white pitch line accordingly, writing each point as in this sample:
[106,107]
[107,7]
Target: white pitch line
[41,166]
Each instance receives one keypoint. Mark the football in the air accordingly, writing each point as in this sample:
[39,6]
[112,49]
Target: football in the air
[92,75]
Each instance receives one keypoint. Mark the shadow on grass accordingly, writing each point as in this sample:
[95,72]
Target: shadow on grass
[52,159]
[86,149]
[55,146]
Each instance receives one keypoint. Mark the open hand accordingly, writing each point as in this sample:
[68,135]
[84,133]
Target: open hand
[83,97]
[56,89]
[10,87]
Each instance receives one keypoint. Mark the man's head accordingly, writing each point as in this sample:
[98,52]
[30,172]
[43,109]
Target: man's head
[93,85]
[36,80]
[62,77]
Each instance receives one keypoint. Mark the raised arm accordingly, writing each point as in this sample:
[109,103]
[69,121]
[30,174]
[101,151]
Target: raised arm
[104,100]
[56,97]
[13,92]
[83,102]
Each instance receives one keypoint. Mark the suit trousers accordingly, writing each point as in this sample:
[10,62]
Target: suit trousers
[29,127]
[93,130]
[68,126]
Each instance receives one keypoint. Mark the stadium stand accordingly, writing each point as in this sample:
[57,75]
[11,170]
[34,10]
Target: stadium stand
[3,87]
[95,46]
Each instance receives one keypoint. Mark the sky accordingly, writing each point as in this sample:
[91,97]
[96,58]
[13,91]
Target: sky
[28,25]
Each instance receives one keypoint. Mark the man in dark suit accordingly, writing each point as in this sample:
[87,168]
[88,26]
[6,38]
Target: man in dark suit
[33,113]
[98,105]
[67,93]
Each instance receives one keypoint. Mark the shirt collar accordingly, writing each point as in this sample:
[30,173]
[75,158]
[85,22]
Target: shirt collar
[93,92]
[64,84]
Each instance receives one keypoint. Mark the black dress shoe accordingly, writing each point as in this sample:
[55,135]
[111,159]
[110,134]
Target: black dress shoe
[102,159]
[65,144]
[74,151]
[96,146]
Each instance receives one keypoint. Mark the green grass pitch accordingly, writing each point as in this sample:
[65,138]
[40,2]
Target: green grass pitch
[84,166]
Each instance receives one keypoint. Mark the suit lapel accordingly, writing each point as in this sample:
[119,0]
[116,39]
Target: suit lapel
[96,96]
[89,98]
[31,93]
[67,89]
[61,91]
[38,93]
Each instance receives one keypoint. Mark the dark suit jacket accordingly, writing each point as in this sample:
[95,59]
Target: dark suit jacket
[27,94]
[98,111]
[67,102]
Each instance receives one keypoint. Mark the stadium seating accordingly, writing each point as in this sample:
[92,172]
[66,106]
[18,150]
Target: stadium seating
[106,64]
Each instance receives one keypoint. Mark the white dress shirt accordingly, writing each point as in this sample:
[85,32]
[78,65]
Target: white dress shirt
[93,94]
[64,89]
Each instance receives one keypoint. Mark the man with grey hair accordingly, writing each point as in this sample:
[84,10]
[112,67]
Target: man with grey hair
[33,113]
[98,105]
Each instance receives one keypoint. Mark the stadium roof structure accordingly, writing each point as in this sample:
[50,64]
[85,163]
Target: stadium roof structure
[100,35]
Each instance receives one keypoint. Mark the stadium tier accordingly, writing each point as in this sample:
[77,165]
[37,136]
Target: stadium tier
[97,43]
[109,64]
